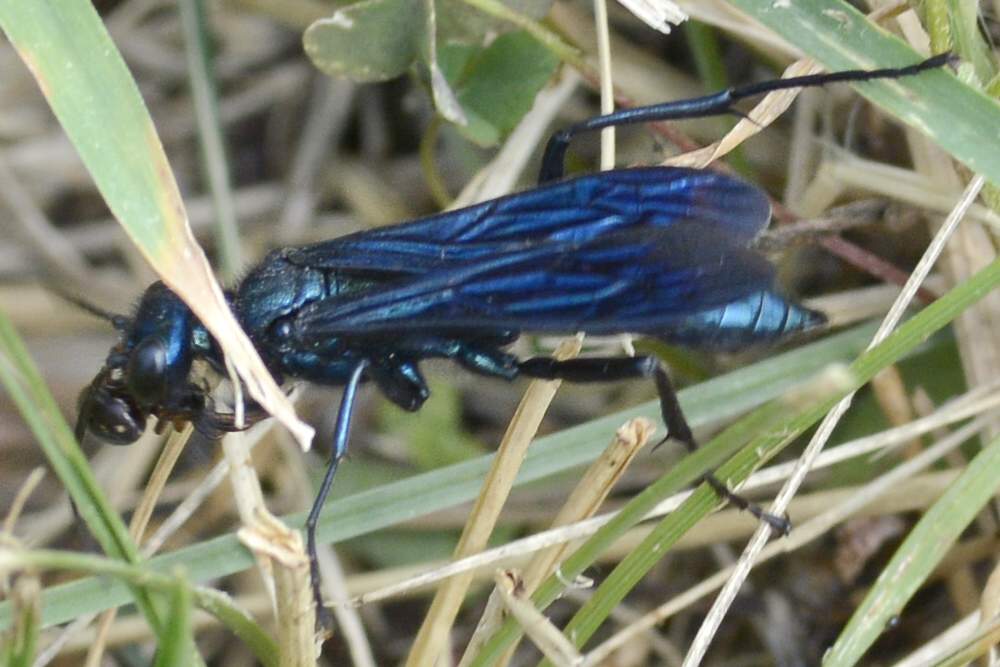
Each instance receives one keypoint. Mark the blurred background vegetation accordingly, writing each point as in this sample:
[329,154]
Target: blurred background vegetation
[321,121]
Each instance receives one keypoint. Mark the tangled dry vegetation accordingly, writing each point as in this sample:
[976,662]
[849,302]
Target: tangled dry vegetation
[310,157]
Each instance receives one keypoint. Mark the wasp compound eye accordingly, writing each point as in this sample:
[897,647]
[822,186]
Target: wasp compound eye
[116,421]
[113,418]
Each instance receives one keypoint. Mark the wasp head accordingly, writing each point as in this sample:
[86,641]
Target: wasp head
[108,409]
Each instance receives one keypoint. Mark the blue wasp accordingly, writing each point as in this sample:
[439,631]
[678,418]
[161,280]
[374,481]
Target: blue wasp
[656,251]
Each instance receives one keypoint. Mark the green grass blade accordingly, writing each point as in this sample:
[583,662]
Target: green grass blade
[197,47]
[92,93]
[840,37]
[218,604]
[924,548]
[177,643]
[721,398]
[18,647]
[761,448]
[25,386]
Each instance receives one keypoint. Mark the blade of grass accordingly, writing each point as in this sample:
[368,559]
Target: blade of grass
[929,541]
[91,92]
[177,643]
[840,37]
[18,649]
[850,503]
[38,408]
[717,399]
[214,602]
[825,429]
[194,23]
[760,448]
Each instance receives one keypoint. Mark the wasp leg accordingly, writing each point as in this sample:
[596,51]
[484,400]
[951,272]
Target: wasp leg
[213,423]
[341,434]
[488,361]
[622,368]
[677,427]
[479,356]
[589,369]
[716,104]
[401,382]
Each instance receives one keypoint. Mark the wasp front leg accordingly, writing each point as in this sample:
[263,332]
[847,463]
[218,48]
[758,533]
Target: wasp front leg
[341,436]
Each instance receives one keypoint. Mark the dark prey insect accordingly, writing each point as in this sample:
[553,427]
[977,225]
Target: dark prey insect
[656,251]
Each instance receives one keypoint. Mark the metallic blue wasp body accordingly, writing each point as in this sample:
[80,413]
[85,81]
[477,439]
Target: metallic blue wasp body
[662,252]
[655,251]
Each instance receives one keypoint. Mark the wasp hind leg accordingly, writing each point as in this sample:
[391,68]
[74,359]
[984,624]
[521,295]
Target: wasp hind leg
[621,368]
[677,427]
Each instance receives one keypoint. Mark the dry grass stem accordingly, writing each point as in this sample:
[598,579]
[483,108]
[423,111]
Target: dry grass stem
[29,485]
[271,540]
[846,173]
[137,526]
[483,517]
[537,627]
[587,497]
[334,583]
[763,114]
[248,496]
[208,484]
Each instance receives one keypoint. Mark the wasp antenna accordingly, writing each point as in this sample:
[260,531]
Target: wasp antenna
[118,321]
